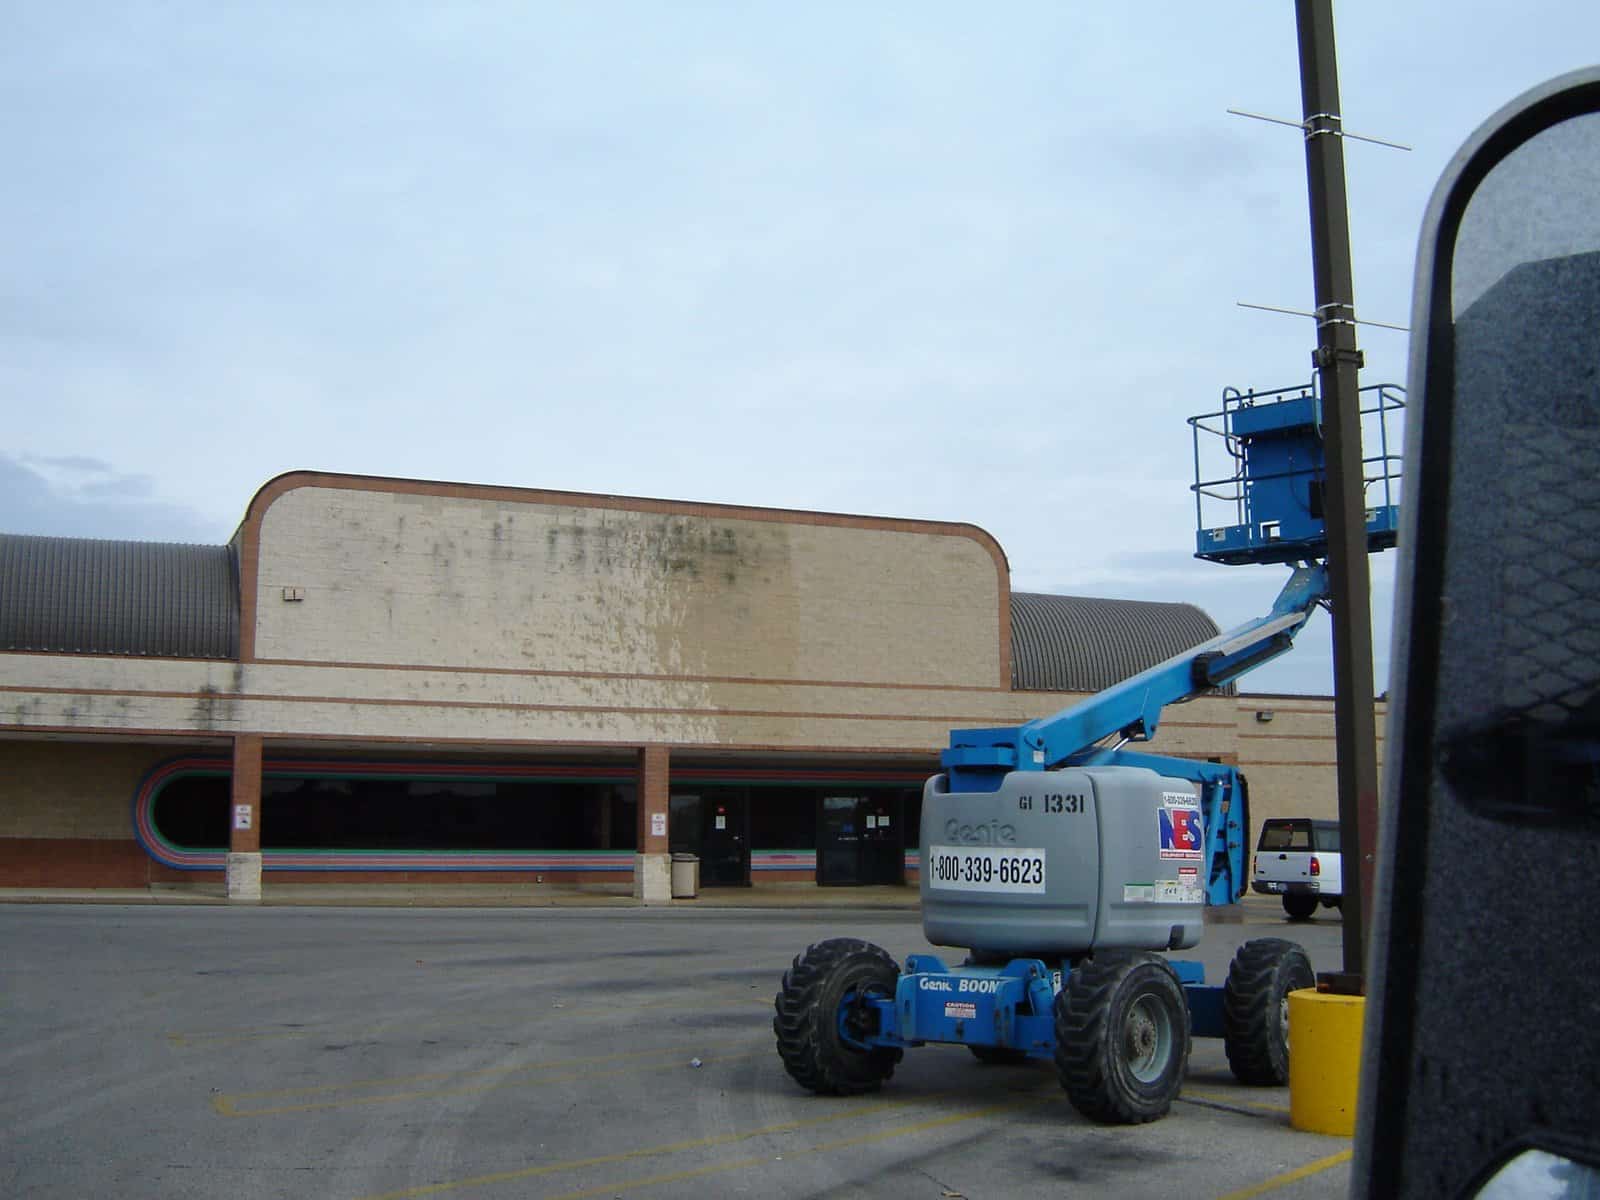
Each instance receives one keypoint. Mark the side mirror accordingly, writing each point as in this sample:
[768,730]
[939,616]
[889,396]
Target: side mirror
[1481,1063]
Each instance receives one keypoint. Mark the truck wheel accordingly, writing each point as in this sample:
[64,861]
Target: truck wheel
[999,1056]
[821,1014]
[1122,1037]
[1298,907]
[1255,1008]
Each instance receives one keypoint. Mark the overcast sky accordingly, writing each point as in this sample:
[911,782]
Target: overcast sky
[944,261]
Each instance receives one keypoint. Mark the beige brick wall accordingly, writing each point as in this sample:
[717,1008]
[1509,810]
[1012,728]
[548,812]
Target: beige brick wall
[398,578]
[454,617]
[309,703]
[1291,760]
[71,790]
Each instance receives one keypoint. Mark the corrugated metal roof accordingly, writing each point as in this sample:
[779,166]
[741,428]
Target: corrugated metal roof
[1079,644]
[85,596]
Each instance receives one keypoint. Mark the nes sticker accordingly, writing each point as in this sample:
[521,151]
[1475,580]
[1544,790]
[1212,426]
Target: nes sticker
[960,1010]
[1179,823]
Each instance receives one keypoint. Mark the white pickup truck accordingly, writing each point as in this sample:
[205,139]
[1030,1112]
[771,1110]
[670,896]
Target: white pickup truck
[1298,858]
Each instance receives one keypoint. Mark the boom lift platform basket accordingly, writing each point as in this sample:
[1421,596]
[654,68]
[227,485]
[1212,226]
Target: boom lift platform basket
[1267,504]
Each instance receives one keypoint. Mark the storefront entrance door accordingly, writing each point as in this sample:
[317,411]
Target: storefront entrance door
[860,840]
[714,826]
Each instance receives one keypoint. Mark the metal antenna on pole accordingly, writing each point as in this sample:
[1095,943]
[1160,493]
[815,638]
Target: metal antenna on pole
[1323,124]
[1295,312]
[1341,132]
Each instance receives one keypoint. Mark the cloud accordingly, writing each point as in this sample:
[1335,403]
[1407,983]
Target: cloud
[79,496]
[68,462]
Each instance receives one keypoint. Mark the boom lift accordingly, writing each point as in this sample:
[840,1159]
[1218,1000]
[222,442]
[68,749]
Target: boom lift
[1066,864]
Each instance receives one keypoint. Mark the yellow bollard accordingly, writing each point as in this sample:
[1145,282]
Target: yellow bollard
[1324,1060]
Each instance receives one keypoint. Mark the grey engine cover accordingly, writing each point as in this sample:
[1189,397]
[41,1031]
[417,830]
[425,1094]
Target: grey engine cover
[1062,862]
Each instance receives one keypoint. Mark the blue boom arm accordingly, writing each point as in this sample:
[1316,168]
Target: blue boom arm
[978,759]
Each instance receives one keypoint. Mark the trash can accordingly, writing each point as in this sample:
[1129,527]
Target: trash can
[685,876]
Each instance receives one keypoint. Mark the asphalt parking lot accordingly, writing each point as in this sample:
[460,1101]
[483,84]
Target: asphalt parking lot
[485,1053]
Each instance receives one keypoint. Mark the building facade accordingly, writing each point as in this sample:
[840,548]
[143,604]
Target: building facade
[383,679]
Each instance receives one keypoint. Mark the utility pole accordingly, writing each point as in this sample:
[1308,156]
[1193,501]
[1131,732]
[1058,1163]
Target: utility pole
[1338,361]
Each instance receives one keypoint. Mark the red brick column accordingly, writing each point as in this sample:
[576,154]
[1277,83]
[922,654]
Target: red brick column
[652,865]
[244,820]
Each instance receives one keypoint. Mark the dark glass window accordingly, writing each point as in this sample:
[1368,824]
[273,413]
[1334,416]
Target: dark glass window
[1285,835]
[332,813]
[192,811]
[783,818]
[342,810]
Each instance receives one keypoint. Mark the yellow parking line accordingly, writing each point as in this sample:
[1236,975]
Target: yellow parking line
[656,1180]
[923,1126]
[1288,1177]
[853,1112]
[628,1185]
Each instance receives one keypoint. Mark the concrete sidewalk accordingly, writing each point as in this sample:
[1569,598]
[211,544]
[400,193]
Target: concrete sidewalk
[466,895]
[544,895]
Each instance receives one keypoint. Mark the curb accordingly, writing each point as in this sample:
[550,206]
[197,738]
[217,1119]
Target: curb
[445,896]
[1251,909]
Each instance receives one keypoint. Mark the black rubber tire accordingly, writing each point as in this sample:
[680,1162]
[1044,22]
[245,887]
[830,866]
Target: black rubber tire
[1255,1008]
[1122,1037]
[1299,907]
[826,977]
[999,1056]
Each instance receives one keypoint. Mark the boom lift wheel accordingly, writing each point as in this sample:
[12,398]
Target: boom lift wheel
[1122,1037]
[822,1014]
[1255,1008]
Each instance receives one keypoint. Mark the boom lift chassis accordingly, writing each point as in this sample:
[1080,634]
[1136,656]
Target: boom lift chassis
[1043,844]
